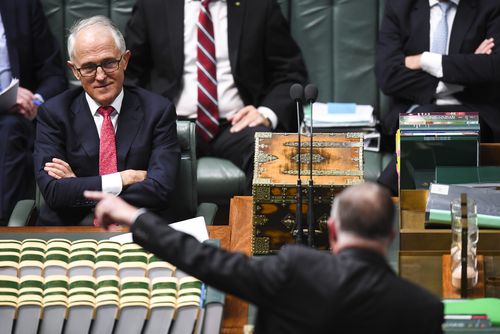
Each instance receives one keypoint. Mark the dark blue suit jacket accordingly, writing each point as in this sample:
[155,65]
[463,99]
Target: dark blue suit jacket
[33,52]
[146,139]
[303,290]
[36,61]
[405,32]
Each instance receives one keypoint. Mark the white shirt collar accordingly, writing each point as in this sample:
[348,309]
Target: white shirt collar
[93,105]
[434,2]
[189,1]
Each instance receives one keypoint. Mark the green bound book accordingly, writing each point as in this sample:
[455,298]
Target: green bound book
[438,205]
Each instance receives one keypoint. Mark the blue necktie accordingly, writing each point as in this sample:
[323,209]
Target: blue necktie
[440,38]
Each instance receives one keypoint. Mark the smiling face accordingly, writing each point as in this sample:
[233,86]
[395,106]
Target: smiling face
[95,45]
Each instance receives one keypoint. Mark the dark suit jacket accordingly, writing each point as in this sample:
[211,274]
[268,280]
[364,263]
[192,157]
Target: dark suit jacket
[302,290]
[146,139]
[405,31]
[265,60]
[34,54]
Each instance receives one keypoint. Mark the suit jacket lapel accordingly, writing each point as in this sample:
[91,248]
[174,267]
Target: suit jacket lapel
[84,127]
[129,123]
[8,10]
[420,26]
[466,12]
[175,23]
[235,15]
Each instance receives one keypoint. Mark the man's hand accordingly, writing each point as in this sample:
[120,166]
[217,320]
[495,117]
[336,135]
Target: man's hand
[25,105]
[58,169]
[486,47]
[414,62]
[248,116]
[131,176]
[111,209]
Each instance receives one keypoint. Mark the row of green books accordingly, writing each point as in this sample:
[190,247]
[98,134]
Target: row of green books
[85,286]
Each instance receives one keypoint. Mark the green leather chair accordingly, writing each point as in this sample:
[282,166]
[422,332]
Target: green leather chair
[338,39]
[185,199]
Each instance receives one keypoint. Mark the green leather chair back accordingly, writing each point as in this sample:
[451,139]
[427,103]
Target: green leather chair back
[62,14]
[338,39]
[185,199]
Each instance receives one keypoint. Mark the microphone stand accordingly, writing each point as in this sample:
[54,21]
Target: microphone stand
[297,94]
[310,212]
[298,209]
[311,92]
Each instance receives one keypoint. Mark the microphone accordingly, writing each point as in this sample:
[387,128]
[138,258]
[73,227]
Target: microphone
[311,94]
[297,94]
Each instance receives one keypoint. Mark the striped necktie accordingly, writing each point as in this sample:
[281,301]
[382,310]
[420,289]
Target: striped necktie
[207,123]
[440,37]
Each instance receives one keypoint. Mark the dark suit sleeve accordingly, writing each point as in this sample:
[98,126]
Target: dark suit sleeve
[137,41]
[50,143]
[155,190]
[393,78]
[470,69]
[284,66]
[47,62]
[256,280]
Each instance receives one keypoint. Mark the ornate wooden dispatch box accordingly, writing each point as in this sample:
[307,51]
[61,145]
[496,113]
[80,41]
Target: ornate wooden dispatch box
[337,163]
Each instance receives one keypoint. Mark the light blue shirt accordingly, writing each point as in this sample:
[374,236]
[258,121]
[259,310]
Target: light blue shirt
[5,70]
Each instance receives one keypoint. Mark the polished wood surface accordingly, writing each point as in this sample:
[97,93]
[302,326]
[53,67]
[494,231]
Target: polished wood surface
[450,292]
[240,221]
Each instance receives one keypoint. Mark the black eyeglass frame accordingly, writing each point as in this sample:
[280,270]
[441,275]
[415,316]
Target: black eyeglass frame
[114,62]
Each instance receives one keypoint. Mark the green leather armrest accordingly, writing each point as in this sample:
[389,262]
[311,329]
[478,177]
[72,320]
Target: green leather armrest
[218,180]
[208,211]
[22,213]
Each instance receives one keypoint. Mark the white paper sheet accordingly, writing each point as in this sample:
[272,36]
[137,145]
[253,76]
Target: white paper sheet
[195,227]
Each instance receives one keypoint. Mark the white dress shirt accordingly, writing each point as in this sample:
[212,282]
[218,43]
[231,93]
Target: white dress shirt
[228,96]
[111,183]
[432,62]
[5,71]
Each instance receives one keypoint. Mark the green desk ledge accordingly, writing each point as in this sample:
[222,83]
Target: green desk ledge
[488,306]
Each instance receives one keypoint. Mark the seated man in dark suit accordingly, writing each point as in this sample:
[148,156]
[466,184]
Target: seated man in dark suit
[440,56]
[103,136]
[302,290]
[228,65]
[30,53]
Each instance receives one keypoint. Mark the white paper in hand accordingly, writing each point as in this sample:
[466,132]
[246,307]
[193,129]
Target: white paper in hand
[195,227]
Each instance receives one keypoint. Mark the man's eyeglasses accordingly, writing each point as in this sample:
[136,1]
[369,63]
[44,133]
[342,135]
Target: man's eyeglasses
[108,66]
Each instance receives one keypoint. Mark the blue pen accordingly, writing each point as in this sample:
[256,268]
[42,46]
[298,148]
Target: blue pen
[37,102]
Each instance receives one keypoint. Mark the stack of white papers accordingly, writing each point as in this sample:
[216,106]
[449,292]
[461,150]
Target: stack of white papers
[327,115]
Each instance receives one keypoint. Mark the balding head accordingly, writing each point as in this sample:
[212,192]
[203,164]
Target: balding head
[365,211]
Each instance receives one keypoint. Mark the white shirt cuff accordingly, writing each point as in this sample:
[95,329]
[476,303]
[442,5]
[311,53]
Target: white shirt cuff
[112,184]
[269,114]
[137,214]
[432,64]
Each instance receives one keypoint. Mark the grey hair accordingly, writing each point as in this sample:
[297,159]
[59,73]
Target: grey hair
[100,21]
[365,210]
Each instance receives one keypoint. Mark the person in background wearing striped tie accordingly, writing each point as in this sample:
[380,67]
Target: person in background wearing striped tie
[227,64]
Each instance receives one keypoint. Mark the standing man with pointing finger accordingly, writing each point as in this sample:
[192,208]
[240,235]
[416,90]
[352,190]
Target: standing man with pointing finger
[103,136]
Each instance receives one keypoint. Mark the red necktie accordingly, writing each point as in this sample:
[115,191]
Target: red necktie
[107,145]
[207,123]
